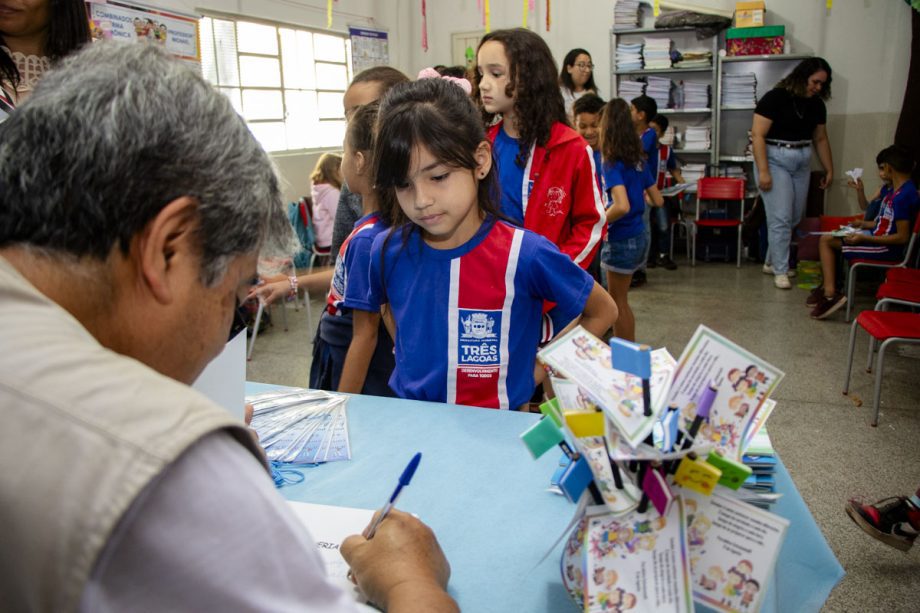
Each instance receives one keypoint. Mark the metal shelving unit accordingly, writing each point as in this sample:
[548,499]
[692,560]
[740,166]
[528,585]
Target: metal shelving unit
[709,112]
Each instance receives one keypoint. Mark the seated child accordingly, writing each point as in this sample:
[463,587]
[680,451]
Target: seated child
[465,289]
[666,169]
[871,207]
[881,239]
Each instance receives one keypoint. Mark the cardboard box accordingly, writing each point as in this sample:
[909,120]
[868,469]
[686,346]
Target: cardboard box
[766,40]
[749,14]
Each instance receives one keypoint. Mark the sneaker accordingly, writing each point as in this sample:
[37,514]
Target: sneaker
[814,297]
[639,279]
[893,521]
[768,270]
[667,263]
[782,282]
[827,306]
[652,262]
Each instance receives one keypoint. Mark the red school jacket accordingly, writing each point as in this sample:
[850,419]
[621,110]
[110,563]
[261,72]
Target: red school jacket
[565,203]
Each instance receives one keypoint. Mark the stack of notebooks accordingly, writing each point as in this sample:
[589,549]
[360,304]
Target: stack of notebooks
[735,172]
[626,14]
[627,90]
[629,56]
[696,94]
[760,487]
[659,88]
[693,172]
[739,89]
[656,52]
[697,138]
[301,426]
[694,58]
[668,137]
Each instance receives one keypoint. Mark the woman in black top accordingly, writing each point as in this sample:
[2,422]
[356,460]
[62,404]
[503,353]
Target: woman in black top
[788,121]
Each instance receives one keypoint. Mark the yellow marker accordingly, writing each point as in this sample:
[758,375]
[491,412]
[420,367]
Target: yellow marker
[697,475]
[584,423]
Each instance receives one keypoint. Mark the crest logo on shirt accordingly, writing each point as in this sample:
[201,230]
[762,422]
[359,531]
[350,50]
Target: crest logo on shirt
[478,344]
[554,198]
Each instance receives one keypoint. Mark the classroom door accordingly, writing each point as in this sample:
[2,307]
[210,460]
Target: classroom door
[463,48]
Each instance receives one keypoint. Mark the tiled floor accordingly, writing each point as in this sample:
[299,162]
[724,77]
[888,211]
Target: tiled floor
[823,437]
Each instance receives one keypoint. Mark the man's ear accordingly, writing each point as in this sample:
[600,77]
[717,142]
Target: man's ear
[483,157]
[166,246]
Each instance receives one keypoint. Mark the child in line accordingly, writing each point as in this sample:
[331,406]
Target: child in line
[627,181]
[547,175]
[642,109]
[872,207]
[466,290]
[664,164]
[587,110]
[881,239]
[325,191]
[343,323]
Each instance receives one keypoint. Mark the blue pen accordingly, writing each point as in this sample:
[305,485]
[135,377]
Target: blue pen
[404,480]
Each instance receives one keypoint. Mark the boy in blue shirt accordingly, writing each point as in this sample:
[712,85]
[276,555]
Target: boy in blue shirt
[643,108]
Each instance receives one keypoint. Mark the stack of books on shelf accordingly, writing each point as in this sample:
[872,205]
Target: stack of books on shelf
[760,487]
[629,56]
[656,52]
[668,137]
[626,14]
[735,172]
[659,88]
[694,58]
[627,90]
[696,94]
[739,89]
[693,172]
[697,138]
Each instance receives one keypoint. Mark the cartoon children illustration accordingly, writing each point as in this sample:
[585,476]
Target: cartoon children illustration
[751,587]
[696,535]
[712,578]
[735,582]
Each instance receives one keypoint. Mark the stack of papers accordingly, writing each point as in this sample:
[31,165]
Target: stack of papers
[739,89]
[659,88]
[694,58]
[626,14]
[301,426]
[627,90]
[735,172]
[696,94]
[693,172]
[629,56]
[657,53]
[697,138]
[668,137]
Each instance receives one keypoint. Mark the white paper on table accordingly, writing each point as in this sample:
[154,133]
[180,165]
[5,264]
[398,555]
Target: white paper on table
[224,378]
[329,526]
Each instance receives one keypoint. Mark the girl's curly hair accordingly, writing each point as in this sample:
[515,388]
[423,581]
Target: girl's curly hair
[534,84]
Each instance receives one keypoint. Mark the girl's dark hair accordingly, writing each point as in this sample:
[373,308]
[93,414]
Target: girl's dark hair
[565,79]
[533,82]
[68,30]
[439,116]
[618,139]
[360,130]
[797,80]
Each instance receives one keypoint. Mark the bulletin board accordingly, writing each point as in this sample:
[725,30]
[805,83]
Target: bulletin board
[369,48]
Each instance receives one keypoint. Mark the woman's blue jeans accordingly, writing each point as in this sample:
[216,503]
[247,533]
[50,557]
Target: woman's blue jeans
[785,202]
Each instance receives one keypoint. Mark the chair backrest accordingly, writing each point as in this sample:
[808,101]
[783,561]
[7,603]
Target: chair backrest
[720,188]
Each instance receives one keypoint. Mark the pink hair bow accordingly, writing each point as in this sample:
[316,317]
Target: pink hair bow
[431,73]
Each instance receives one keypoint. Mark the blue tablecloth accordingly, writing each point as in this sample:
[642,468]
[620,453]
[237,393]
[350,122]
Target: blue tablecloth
[487,500]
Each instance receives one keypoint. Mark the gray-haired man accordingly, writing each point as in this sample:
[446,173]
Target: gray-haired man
[133,205]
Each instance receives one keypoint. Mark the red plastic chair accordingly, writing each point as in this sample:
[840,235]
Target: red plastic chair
[903,275]
[718,188]
[889,328]
[906,293]
[857,264]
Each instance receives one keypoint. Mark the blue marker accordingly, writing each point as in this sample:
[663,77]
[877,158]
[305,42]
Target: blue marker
[404,480]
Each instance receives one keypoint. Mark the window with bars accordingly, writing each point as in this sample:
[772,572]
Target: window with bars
[286,82]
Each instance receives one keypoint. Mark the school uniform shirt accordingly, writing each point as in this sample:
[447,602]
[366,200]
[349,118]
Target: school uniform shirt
[468,319]
[349,279]
[649,140]
[665,164]
[898,205]
[510,176]
[636,179]
[559,193]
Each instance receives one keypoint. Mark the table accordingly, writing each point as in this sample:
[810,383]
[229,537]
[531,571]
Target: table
[487,500]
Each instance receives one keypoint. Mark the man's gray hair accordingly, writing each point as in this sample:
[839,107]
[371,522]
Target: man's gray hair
[113,135]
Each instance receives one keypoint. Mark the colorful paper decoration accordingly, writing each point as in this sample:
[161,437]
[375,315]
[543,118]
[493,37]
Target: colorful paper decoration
[575,479]
[585,423]
[329,13]
[697,475]
[547,15]
[656,8]
[424,27]
[526,12]
[486,15]
[733,473]
[542,436]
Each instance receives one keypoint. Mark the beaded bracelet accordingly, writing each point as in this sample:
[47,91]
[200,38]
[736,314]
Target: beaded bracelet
[293,281]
